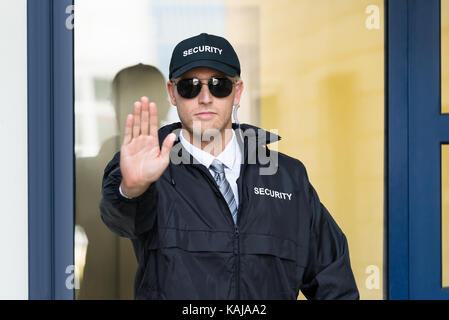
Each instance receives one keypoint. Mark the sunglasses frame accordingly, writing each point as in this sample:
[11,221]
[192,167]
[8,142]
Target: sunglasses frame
[208,83]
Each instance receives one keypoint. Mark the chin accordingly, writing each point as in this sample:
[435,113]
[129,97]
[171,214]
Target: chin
[204,125]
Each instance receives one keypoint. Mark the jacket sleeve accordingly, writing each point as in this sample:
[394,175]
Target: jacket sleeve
[328,274]
[128,218]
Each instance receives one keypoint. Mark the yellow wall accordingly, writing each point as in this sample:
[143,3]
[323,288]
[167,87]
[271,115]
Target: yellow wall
[322,87]
[445,148]
[445,214]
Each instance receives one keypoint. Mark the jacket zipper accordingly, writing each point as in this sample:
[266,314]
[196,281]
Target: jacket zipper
[237,264]
[236,233]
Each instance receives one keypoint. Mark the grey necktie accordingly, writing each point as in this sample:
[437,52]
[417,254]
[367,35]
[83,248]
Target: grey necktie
[225,187]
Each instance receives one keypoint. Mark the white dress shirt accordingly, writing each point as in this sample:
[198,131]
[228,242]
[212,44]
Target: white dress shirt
[230,157]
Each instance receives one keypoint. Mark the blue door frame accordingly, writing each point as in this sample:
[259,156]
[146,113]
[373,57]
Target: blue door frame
[428,129]
[414,132]
[396,184]
[50,150]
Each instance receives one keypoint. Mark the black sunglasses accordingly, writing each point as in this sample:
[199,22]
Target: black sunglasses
[218,87]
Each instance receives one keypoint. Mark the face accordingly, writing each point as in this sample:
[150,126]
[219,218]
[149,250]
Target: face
[205,110]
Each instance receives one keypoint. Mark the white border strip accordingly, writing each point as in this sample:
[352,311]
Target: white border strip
[14,155]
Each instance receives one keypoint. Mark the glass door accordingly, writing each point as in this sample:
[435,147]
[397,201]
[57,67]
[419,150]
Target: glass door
[313,71]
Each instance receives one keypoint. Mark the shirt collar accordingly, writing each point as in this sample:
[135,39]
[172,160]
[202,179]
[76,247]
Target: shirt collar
[227,156]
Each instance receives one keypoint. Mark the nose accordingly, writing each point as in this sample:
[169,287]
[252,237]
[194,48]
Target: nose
[204,97]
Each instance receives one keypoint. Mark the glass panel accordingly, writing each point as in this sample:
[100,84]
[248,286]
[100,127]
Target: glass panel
[322,81]
[444,56]
[313,71]
[445,214]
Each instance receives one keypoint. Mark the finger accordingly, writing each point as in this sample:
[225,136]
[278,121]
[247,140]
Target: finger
[136,126]
[167,145]
[128,129]
[154,122]
[145,121]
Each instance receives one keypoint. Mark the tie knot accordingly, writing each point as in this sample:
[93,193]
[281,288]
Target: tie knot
[217,166]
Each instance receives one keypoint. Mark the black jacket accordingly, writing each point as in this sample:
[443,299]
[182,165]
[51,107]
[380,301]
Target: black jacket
[188,247]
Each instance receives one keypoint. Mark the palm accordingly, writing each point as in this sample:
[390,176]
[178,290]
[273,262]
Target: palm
[142,161]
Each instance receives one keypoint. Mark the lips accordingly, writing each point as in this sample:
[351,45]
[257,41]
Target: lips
[205,114]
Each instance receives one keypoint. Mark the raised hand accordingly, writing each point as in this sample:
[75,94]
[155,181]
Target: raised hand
[142,161]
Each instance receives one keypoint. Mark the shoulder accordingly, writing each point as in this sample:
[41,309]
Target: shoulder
[288,164]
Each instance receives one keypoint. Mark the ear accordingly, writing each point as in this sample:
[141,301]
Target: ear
[171,92]
[238,92]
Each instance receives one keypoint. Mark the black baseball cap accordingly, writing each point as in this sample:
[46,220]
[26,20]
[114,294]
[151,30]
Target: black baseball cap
[204,50]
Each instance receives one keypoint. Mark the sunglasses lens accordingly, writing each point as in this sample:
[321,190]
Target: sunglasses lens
[220,87]
[188,88]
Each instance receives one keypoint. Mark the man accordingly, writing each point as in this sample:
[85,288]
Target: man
[206,221]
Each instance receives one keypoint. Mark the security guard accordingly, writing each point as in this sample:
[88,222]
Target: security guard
[208,216]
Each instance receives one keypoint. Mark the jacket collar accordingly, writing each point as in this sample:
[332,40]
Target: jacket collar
[262,137]
[244,134]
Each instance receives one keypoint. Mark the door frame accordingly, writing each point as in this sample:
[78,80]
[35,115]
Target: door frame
[416,130]
[50,150]
[412,76]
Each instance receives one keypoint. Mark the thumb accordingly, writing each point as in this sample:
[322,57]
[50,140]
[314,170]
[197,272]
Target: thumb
[167,145]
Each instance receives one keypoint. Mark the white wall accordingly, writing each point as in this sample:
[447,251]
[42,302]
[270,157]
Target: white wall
[13,158]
